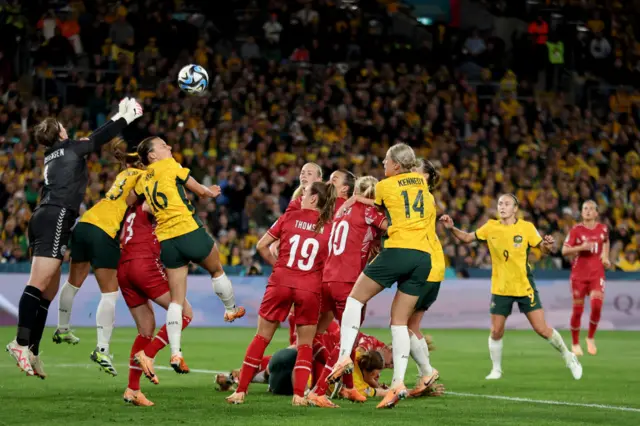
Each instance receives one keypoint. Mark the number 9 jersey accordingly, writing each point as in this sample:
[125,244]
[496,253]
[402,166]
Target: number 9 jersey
[303,252]
[402,199]
[163,188]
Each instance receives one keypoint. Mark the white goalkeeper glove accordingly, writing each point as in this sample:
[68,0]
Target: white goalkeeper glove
[133,111]
[122,108]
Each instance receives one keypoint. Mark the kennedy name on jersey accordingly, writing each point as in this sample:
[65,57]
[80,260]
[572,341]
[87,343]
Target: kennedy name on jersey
[300,224]
[55,154]
[411,181]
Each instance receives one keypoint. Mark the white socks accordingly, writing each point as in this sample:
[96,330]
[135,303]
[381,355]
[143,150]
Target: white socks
[495,351]
[174,327]
[420,354]
[105,318]
[65,304]
[350,326]
[223,288]
[557,342]
[401,348]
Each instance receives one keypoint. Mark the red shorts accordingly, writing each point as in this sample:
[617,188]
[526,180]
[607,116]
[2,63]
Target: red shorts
[141,280]
[277,301]
[339,292]
[582,288]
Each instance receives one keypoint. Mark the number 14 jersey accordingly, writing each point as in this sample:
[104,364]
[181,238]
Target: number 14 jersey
[354,234]
[303,252]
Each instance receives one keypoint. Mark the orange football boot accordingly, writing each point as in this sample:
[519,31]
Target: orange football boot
[146,364]
[299,401]
[393,396]
[236,398]
[136,398]
[352,395]
[342,367]
[232,316]
[424,383]
[320,401]
[178,364]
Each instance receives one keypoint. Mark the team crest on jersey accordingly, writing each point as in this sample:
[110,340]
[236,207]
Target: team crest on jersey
[517,241]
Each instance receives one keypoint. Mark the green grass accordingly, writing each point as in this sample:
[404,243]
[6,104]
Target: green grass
[84,395]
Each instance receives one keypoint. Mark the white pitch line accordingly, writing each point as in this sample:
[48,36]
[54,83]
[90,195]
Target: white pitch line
[462,394]
[545,402]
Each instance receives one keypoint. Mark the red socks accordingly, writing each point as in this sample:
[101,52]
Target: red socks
[596,311]
[320,352]
[134,371]
[302,369]
[162,339]
[252,361]
[576,315]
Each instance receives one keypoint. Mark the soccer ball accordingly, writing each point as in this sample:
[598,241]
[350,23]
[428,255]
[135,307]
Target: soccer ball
[193,79]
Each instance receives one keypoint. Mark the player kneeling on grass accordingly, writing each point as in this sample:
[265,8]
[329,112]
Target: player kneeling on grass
[142,278]
[509,240]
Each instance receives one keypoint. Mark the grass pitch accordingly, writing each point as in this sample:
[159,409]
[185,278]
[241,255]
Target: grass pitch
[536,388]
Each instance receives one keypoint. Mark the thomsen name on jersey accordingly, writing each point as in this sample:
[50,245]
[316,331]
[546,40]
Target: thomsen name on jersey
[300,224]
[55,154]
[411,181]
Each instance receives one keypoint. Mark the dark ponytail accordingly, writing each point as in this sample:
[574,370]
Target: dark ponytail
[118,147]
[426,167]
[327,195]
[349,180]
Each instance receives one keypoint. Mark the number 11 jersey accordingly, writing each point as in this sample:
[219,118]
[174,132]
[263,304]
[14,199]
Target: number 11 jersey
[303,252]
[410,219]
[163,188]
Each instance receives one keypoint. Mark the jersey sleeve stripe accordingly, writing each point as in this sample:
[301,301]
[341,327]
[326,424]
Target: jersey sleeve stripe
[272,236]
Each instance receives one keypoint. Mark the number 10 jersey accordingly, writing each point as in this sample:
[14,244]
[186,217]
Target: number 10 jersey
[163,188]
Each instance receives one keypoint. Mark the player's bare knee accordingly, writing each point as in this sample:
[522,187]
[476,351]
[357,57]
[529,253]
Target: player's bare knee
[497,334]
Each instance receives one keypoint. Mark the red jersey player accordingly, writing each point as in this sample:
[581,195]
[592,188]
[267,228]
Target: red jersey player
[141,278]
[355,231]
[296,280]
[589,242]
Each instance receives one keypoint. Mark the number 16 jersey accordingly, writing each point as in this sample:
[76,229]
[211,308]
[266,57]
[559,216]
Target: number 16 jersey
[109,212]
[410,219]
[163,188]
[303,252]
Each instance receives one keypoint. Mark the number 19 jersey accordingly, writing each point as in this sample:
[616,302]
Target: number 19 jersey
[303,251]
[353,235]
[402,199]
[163,188]
[109,212]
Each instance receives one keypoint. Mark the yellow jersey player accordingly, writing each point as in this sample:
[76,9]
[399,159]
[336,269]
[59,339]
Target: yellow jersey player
[509,241]
[182,237]
[419,346]
[95,244]
[404,259]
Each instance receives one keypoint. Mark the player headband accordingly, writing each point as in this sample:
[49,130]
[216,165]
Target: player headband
[515,199]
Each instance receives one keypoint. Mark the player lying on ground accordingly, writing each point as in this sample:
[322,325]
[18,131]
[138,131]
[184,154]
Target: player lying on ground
[372,356]
[588,243]
[142,279]
[509,240]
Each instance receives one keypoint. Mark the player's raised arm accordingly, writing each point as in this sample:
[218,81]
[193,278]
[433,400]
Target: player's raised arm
[128,111]
[201,190]
[465,237]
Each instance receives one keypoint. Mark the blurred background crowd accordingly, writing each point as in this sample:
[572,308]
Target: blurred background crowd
[537,98]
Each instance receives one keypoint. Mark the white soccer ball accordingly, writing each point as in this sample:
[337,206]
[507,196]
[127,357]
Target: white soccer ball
[193,79]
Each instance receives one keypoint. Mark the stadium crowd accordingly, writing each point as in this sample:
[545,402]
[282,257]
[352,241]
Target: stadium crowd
[271,107]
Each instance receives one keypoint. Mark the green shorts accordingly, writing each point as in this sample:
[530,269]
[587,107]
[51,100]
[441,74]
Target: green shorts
[91,244]
[281,370]
[194,247]
[502,305]
[409,268]
[429,295]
